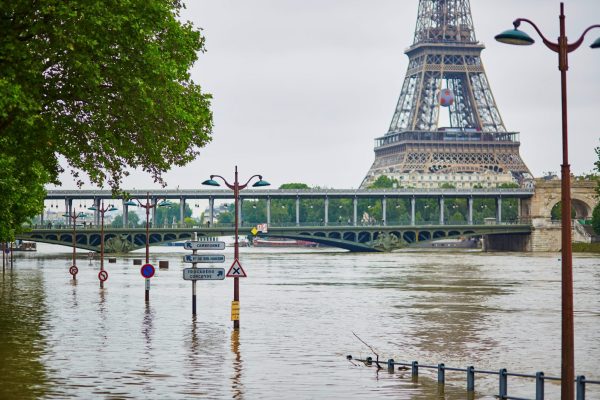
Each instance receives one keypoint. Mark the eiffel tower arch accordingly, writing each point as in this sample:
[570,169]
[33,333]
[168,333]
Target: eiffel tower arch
[446,127]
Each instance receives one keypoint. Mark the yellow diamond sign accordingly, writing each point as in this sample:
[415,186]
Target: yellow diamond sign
[254,231]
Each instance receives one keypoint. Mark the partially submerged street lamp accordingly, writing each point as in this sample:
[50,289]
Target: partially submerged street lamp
[148,205]
[73,216]
[236,187]
[102,210]
[563,48]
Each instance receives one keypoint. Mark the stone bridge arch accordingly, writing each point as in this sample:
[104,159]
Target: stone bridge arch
[548,194]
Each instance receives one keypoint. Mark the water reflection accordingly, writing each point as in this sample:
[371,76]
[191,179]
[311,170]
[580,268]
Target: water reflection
[22,316]
[237,386]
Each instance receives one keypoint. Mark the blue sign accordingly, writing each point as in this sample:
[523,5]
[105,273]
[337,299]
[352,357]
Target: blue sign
[147,271]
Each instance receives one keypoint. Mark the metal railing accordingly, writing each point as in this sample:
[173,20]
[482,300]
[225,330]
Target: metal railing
[539,377]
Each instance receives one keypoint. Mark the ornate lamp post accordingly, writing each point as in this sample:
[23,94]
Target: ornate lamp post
[236,187]
[148,205]
[73,216]
[102,210]
[563,48]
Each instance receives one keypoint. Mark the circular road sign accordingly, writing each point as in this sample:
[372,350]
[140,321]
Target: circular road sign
[147,271]
[103,275]
[73,270]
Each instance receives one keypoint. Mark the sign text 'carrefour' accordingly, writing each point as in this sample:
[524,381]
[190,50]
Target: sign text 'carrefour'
[204,245]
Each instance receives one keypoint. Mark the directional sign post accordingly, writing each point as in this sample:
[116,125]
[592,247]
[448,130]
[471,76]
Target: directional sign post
[197,274]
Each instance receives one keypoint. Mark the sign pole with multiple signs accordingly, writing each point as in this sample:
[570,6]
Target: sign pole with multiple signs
[194,274]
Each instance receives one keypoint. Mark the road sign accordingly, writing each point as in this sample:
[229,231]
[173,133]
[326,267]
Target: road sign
[236,270]
[204,245]
[254,231]
[235,310]
[204,258]
[201,274]
[264,228]
[73,270]
[147,271]
[103,275]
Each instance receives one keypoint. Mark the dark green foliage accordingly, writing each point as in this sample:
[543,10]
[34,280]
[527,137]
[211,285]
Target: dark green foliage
[596,219]
[104,84]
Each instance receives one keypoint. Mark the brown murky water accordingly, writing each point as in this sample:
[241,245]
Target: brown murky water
[60,339]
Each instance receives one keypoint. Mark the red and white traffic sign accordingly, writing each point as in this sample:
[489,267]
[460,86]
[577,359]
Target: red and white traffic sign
[236,270]
[147,271]
[73,270]
[103,275]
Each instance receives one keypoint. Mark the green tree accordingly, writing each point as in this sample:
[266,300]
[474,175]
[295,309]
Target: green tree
[596,219]
[103,84]
[133,220]
[384,182]
[170,214]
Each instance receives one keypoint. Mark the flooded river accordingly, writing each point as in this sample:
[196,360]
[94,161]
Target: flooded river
[299,310]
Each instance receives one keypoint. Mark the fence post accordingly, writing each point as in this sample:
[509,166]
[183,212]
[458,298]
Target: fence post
[503,383]
[441,373]
[581,387]
[390,365]
[471,379]
[415,370]
[539,386]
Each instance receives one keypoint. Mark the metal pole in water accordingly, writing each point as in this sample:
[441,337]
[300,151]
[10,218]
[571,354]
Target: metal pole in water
[194,282]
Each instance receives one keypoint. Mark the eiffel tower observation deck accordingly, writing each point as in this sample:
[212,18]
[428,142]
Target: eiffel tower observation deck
[446,128]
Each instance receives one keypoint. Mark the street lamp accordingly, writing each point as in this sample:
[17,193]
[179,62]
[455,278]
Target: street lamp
[563,48]
[148,205]
[102,210]
[236,187]
[73,216]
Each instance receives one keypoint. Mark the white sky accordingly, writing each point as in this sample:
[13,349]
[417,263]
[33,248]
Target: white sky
[302,87]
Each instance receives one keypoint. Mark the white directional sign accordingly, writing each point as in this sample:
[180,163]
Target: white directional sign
[204,245]
[204,258]
[199,274]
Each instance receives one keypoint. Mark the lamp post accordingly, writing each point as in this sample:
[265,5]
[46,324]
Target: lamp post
[102,210]
[563,48]
[236,187]
[148,205]
[73,216]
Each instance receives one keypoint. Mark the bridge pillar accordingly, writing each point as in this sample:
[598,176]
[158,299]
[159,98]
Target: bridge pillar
[412,211]
[181,210]
[326,211]
[498,210]
[96,212]
[125,213]
[470,213]
[240,215]
[68,207]
[268,210]
[154,201]
[441,207]
[211,209]
[297,211]
[355,205]
[384,210]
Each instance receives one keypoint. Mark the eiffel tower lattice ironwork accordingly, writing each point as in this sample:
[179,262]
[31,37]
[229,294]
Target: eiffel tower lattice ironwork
[445,58]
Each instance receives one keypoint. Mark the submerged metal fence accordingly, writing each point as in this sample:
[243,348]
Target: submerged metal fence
[503,374]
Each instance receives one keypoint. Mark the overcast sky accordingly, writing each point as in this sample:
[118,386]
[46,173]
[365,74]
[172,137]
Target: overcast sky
[302,87]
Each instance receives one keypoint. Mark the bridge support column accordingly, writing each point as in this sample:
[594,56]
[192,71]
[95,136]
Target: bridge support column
[297,211]
[211,210]
[441,207]
[125,213]
[68,207]
[240,214]
[412,211]
[498,210]
[96,212]
[355,215]
[181,210]
[268,210]
[326,211]
[470,212]
[384,210]
[154,201]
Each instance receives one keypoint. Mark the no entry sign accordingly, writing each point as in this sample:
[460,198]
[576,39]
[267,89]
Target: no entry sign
[147,271]
[103,275]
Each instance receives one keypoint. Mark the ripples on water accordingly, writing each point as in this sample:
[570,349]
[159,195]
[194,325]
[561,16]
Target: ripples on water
[65,339]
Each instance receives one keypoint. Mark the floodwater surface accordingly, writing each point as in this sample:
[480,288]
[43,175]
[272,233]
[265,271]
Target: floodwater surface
[300,309]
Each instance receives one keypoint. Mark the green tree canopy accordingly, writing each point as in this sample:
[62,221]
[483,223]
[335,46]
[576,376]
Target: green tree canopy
[102,84]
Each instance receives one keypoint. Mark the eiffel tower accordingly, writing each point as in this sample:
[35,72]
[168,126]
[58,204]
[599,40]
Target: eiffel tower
[446,85]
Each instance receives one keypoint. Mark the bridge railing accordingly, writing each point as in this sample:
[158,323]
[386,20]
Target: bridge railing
[503,375]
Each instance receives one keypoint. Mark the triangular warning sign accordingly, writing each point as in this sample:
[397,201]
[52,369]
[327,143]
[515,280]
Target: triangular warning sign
[236,270]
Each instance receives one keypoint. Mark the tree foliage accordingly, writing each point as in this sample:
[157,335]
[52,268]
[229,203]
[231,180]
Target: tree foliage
[102,84]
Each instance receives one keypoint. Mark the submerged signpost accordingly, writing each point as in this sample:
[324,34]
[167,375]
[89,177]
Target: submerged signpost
[197,274]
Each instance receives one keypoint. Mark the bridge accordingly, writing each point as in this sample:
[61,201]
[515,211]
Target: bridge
[354,238]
